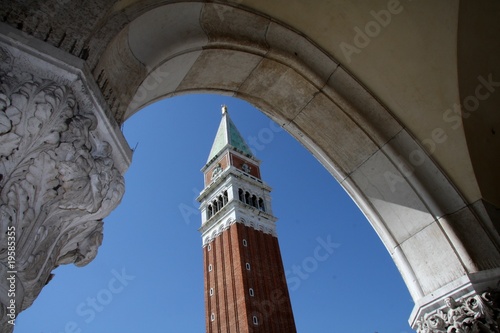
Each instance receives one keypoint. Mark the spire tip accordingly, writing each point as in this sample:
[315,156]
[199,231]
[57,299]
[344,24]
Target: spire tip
[224,109]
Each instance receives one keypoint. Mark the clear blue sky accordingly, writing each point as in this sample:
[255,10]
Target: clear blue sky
[148,274]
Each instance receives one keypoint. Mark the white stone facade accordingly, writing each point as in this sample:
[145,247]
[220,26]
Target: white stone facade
[235,211]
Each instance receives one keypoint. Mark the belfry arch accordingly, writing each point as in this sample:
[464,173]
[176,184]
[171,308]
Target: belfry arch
[444,242]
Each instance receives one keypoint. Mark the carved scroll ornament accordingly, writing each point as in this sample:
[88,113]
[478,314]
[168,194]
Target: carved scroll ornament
[474,314]
[57,180]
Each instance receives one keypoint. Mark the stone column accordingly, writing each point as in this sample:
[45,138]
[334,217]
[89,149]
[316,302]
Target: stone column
[61,167]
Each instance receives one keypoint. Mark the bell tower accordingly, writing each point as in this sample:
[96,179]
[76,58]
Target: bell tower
[245,285]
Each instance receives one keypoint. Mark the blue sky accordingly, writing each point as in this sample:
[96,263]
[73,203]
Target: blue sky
[148,275]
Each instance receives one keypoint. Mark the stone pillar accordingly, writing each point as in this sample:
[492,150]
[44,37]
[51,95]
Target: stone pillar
[61,167]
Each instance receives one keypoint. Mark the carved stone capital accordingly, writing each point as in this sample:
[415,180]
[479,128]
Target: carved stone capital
[58,179]
[470,304]
[472,314]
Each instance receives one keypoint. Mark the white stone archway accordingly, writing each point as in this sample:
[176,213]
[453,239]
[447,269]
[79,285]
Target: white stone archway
[443,245]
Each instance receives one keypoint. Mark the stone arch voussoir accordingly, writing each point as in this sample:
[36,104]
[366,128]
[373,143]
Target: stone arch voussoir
[229,50]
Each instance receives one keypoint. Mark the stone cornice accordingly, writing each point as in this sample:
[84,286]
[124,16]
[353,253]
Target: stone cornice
[226,176]
[213,229]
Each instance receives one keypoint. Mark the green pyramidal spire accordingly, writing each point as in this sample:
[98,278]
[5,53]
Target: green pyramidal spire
[228,134]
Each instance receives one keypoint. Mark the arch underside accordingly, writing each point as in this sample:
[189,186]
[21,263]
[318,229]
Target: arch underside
[436,234]
[414,208]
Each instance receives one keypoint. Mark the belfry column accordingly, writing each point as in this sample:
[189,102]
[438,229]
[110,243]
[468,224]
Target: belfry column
[61,166]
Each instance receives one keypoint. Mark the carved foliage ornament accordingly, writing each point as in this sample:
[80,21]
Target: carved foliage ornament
[474,314]
[57,179]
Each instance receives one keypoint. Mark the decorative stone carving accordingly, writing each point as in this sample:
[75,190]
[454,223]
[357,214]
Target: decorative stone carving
[57,182]
[473,314]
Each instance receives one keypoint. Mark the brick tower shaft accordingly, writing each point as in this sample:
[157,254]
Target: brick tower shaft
[245,285]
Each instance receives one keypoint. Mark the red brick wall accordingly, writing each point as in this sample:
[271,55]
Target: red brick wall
[234,160]
[224,162]
[238,162]
[231,302]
